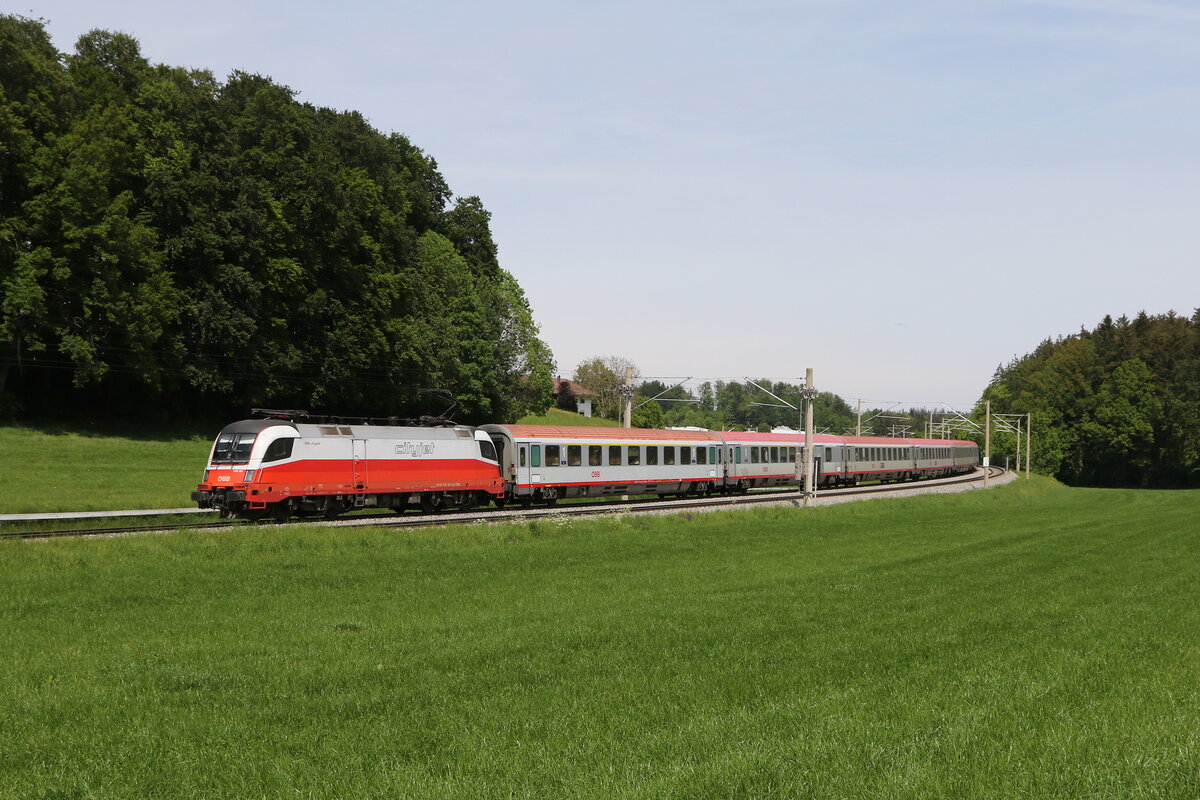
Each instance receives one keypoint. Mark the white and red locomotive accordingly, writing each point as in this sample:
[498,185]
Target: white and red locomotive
[282,467]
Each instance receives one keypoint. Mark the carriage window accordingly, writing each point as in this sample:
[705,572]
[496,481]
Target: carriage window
[791,454]
[536,455]
[774,454]
[652,456]
[699,455]
[753,455]
[669,455]
[829,454]
[279,450]
[595,455]
[574,455]
[614,455]
[551,455]
[635,455]
[685,455]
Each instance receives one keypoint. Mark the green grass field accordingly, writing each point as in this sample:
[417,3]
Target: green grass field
[1030,641]
[556,416]
[77,469]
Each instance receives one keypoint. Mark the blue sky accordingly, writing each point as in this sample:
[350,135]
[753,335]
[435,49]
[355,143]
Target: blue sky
[899,195]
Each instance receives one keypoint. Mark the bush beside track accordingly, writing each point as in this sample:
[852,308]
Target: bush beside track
[1029,640]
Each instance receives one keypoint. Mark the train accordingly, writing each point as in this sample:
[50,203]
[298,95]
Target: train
[286,464]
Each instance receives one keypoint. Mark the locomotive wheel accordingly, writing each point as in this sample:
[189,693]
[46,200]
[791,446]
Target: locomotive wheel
[280,511]
[429,502]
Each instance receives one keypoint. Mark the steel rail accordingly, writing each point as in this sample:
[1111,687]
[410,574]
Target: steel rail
[511,514]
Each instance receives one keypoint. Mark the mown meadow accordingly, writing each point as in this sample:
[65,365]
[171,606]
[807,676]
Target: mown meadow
[1031,640]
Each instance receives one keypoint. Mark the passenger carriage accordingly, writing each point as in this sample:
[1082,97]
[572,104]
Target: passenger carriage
[543,463]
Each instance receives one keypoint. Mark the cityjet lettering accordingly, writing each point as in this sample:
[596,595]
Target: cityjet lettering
[415,449]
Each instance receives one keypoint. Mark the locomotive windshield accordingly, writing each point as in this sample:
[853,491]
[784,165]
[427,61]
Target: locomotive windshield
[233,448]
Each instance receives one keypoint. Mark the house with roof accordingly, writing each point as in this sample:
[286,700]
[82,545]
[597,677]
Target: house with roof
[568,393]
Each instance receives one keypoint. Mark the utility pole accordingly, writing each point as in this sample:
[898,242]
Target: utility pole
[627,395]
[858,424]
[987,446]
[1028,442]
[810,394]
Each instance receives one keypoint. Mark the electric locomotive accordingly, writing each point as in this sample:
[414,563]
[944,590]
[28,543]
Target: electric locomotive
[281,466]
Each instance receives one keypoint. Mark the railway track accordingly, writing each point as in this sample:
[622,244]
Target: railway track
[497,515]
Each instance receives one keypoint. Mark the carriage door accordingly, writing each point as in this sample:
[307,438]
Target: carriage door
[358,457]
[523,463]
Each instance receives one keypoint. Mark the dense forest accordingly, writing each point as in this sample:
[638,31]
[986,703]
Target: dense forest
[175,246]
[1115,406]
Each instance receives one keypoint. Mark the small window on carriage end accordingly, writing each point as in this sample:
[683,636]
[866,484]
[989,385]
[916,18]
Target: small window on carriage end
[279,450]
[535,455]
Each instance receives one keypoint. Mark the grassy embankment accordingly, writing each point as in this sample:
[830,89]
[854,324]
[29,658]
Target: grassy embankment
[1029,641]
[80,469]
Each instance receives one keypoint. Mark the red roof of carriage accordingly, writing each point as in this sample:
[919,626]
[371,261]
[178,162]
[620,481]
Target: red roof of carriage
[633,434]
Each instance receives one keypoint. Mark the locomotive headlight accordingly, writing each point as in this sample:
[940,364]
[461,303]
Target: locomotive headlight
[249,476]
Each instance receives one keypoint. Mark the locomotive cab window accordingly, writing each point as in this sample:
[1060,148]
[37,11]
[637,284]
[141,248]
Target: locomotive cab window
[488,450]
[279,450]
[233,448]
